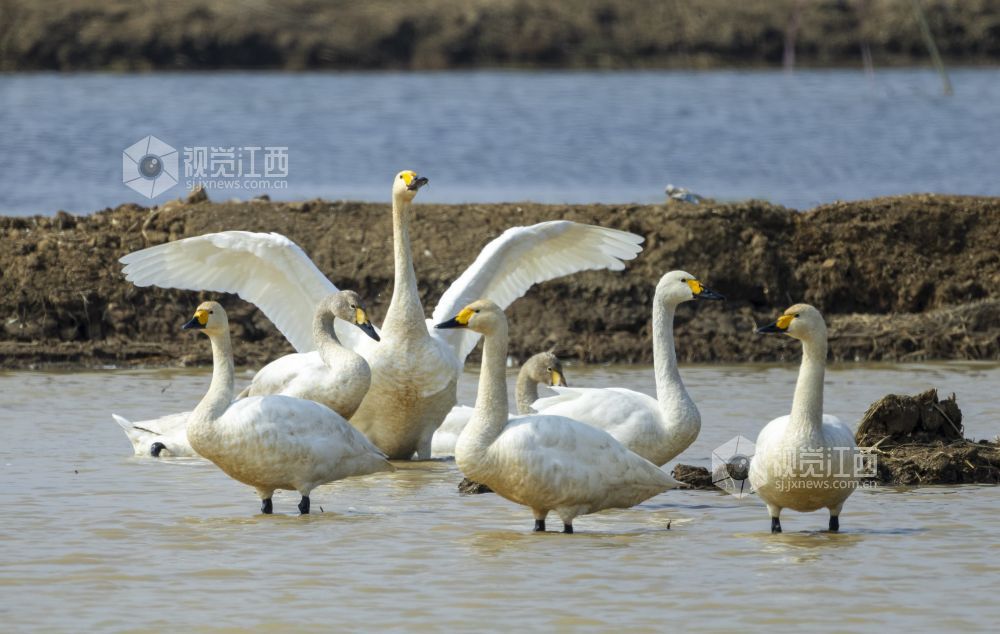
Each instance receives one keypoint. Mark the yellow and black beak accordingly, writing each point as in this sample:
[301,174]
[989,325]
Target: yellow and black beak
[703,292]
[557,378]
[461,320]
[198,321]
[362,322]
[416,183]
[779,326]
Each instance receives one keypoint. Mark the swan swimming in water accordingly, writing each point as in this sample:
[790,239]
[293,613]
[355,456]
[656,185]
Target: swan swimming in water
[804,461]
[271,442]
[658,429]
[542,368]
[414,368]
[331,375]
[548,463]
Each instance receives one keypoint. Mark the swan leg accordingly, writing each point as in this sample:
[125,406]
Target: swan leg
[834,523]
[304,505]
[775,512]
[156,448]
[266,507]
[539,520]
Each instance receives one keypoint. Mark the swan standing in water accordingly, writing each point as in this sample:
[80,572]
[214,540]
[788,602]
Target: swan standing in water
[414,368]
[271,442]
[658,429]
[331,375]
[548,463]
[804,461]
[543,368]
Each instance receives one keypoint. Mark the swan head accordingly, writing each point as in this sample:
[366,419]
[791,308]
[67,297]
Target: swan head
[801,321]
[347,306]
[677,287]
[210,318]
[482,316]
[545,368]
[406,185]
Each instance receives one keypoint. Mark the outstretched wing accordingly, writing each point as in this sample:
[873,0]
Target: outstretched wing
[266,269]
[524,256]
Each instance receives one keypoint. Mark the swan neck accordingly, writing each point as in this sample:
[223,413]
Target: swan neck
[491,399]
[220,393]
[325,338]
[405,310]
[526,391]
[669,386]
[807,404]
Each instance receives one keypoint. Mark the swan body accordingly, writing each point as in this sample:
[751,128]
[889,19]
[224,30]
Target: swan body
[271,442]
[805,461]
[543,367]
[548,463]
[160,437]
[414,368]
[658,429]
[332,375]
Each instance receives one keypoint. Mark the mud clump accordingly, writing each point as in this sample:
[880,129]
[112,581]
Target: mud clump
[468,487]
[693,477]
[891,276]
[920,440]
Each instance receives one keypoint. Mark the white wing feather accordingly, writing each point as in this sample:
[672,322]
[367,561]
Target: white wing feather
[266,269]
[523,256]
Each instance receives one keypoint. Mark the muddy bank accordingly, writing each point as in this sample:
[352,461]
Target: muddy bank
[899,279]
[439,34]
[921,440]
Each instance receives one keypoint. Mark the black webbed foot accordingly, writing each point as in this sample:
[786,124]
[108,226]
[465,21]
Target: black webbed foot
[304,505]
[834,524]
[156,448]
[775,525]
[266,507]
[568,529]
[539,526]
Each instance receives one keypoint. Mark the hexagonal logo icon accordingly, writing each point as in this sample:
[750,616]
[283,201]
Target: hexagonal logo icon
[149,166]
[731,466]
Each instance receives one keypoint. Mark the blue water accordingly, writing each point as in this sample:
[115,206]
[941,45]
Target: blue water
[797,139]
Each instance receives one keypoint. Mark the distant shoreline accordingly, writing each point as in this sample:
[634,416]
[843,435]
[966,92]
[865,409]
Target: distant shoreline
[115,35]
[905,278]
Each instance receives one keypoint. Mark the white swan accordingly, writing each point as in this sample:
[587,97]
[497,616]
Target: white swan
[332,374]
[271,442]
[414,368]
[159,437]
[804,461]
[658,429]
[548,463]
[543,367]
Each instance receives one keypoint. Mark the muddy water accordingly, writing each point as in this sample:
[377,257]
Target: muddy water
[94,538]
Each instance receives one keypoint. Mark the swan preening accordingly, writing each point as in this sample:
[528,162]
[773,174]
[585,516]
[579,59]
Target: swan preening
[658,429]
[331,375]
[414,368]
[271,442]
[547,463]
[805,461]
[543,368]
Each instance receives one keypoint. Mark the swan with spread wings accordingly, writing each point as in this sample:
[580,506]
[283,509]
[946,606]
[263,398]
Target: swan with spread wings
[414,367]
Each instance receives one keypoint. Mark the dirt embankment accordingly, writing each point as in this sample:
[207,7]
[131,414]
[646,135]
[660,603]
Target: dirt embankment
[904,278]
[438,34]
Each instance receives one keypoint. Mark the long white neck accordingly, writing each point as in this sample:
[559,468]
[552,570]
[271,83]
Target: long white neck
[526,391]
[220,392]
[325,338]
[807,404]
[670,390]
[405,313]
[491,412]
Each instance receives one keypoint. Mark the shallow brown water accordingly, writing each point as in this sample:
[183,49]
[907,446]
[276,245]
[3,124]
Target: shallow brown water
[94,538]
